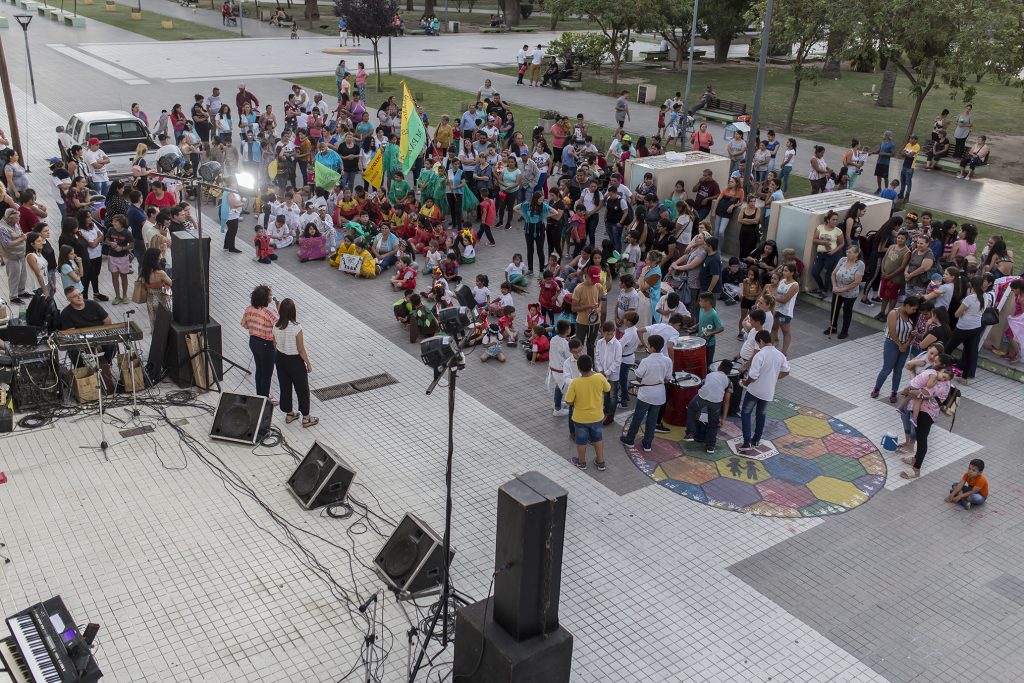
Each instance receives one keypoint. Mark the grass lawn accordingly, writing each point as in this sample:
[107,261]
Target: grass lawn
[149,26]
[438,99]
[831,111]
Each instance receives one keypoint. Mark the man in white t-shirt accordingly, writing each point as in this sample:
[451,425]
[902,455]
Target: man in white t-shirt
[767,368]
[235,206]
[96,162]
[521,58]
[536,58]
[667,331]
[714,396]
[213,102]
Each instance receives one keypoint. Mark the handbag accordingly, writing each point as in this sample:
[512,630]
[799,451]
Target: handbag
[139,293]
[990,316]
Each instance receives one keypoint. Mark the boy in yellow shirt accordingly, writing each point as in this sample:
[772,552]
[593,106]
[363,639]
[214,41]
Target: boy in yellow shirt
[586,394]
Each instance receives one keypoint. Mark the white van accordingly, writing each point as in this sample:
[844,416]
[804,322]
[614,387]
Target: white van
[118,131]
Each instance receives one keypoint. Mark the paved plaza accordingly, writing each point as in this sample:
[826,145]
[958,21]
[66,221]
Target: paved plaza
[199,565]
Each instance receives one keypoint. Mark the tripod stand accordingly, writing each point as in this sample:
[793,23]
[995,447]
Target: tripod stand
[448,592]
[204,352]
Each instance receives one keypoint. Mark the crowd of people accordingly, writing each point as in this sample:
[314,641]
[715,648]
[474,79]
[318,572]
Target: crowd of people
[655,271]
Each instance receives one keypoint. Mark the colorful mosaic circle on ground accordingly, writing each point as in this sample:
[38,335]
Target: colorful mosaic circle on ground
[819,466]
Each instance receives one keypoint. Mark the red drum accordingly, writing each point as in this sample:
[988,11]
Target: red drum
[688,355]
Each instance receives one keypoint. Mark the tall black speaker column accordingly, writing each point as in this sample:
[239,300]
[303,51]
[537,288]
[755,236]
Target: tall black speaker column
[514,637]
[190,277]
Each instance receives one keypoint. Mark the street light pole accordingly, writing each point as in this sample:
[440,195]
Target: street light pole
[689,67]
[24,20]
[5,85]
[758,87]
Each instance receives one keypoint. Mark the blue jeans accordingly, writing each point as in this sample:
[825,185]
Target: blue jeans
[624,369]
[558,397]
[589,433]
[348,179]
[614,232]
[101,188]
[892,362]
[648,415]
[821,270]
[572,425]
[784,178]
[263,353]
[721,223]
[749,403]
[974,499]
[388,261]
[908,428]
[906,182]
[714,418]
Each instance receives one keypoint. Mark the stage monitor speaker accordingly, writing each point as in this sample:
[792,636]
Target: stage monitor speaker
[242,418]
[190,277]
[528,555]
[486,653]
[411,559]
[176,358]
[322,478]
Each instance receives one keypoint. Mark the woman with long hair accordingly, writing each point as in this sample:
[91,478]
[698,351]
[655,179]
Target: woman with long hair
[293,366]
[878,244]
[785,296]
[158,283]
[140,169]
[968,329]
[846,279]
[116,202]
[1000,260]
[535,214]
[259,319]
[37,264]
[899,334]
[178,119]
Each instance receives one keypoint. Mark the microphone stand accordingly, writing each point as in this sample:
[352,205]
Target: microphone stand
[204,351]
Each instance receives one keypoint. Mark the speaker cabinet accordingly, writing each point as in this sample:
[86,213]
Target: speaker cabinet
[176,355]
[322,478]
[411,559]
[242,418]
[190,277]
[528,553]
[486,653]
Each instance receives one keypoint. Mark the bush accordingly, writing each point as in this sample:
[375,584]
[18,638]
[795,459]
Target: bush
[585,49]
[525,10]
[864,59]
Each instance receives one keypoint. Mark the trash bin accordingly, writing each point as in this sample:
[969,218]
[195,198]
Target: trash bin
[453,27]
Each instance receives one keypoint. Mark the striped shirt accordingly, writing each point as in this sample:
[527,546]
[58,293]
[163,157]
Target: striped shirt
[904,328]
[260,322]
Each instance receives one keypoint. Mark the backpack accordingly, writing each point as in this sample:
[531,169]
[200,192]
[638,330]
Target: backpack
[42,312]
[950,404]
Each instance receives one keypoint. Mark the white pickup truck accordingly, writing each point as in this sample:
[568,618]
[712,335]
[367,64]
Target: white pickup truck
[118,131]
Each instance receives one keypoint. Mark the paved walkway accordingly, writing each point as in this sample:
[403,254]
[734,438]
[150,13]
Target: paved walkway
[992,201]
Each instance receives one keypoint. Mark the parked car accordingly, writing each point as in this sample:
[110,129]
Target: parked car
[118,131]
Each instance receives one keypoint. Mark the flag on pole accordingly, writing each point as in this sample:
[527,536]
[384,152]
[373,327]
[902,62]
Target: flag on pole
[374,173]
[414,137]
[324,176]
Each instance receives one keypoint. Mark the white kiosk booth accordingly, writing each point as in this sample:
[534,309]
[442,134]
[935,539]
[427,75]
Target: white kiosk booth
[673,166]
[794,221]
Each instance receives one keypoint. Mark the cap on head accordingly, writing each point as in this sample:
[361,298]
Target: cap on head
[93,141]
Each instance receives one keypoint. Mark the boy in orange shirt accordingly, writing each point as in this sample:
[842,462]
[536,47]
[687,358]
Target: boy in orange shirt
[972,489]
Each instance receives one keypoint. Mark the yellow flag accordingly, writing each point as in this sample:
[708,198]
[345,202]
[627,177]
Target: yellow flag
[414,137]
[374,173]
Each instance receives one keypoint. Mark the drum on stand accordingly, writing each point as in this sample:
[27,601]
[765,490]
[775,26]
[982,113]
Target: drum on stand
[736,398]
[689,355]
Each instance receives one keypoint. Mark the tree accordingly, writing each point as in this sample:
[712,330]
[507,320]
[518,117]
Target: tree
[370,19]
[802,24]
[722,20]
[617,19]
[931,40]
[676,16]
[311,11]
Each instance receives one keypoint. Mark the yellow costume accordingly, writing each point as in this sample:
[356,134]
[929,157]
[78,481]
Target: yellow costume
[335,258]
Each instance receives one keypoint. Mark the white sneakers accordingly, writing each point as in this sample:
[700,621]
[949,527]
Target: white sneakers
[562,412]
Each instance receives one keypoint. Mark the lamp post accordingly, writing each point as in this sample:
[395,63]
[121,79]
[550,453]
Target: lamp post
[5,86]
[25,20]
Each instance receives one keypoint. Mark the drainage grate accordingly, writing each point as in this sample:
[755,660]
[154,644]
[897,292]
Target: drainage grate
[356,386]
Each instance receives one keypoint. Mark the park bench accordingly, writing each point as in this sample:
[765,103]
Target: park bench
[952,164]
[571,84]
[28,5]
[523,29]
[654,55]
[491,29]
[70,19]
[726,111]
[417,31]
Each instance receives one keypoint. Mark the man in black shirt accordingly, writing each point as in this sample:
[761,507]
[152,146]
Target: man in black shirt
[497,107]
[614,215]
[82,313]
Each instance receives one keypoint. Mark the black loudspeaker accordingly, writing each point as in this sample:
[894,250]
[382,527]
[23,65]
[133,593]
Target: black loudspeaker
[528,555]
[176,356]
[242,418]
[486,653]
[411,559]
[322,478]
[190,277]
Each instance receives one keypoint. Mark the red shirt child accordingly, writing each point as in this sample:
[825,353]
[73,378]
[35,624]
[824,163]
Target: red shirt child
[406,277]
[488,214]
[540,346]
[549,288]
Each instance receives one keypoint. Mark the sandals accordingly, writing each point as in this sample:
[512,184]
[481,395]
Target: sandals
[291,417]
[310,421]
[909,475]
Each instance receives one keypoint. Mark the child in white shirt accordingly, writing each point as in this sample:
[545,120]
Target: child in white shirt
[628,299]
[481,294]
[630,341]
